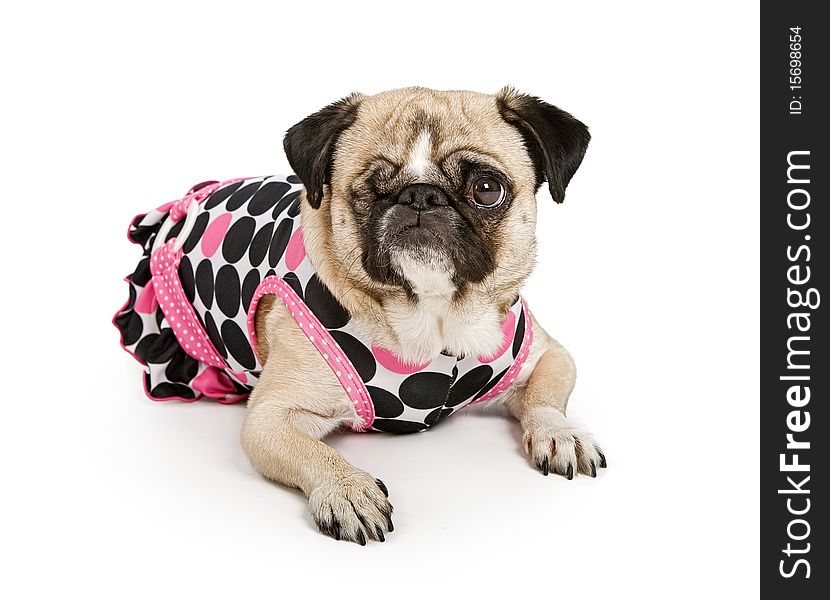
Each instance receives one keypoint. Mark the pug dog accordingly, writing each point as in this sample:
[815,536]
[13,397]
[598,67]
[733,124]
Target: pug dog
[378,288]
[418,212]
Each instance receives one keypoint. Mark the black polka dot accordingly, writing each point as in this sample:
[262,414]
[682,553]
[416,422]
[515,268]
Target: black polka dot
[266,197]
[228,290]
[279,242]
[186,277]
[249,286]
[286,200]
[160,318]
[259,245]
[469,385]
[436,416]
[157,348]
[220,195]
[386,404]
[199,226]
[182,368]
[397,426]
[324,305]
[214,335]
[293,179]
[490,385]
[242,195]
[294,210]
[291,279]
[141,234]
[131,327]
[175,230]
[241,390]
[359,354]
[204,282]
[238,345]
[520,333]
[238,239]
[425,389]
[142,274]
[172,390]
[132,294]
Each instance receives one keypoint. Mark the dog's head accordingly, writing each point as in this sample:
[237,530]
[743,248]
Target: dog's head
[429,192]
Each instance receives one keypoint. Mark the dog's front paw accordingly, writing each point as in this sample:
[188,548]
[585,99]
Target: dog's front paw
[353,508]
[555,445]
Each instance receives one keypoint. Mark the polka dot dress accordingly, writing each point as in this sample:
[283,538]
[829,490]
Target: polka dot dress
[208,260]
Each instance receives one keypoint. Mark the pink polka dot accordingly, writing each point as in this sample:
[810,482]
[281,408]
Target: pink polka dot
[508,328]
[391,362]
[147,303]
[295,252]
[215,233]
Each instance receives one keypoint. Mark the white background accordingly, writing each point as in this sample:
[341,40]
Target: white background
[648,273]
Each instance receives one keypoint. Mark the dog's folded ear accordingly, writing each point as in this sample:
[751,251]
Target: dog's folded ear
[555,140]
[309,145]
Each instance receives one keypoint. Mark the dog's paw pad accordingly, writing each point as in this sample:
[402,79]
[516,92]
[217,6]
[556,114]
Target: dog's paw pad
[557,446]
[353,508]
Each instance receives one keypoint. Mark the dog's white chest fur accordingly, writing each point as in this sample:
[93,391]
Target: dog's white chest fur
[435,322]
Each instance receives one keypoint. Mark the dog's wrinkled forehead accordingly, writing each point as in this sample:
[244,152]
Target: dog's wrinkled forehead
[416,130]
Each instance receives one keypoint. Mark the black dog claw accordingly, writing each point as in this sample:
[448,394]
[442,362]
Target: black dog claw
[570,472]
[545,466]
[602,462]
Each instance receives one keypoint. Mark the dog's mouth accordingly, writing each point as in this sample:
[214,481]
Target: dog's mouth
[405,238]
[414,235]
[403,225]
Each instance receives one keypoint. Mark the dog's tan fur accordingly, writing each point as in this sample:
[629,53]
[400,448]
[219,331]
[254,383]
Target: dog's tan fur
[298,400]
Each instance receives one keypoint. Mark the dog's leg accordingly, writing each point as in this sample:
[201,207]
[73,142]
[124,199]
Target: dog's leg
[551,441]
[285,421]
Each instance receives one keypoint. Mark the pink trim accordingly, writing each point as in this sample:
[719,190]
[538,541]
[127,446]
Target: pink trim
[147,393]
[200,196]
[141,362]
[321,339]
[514,369]
[164,265]
[164,208]
[198,396]
[202,186]
[130,229]
[179,208]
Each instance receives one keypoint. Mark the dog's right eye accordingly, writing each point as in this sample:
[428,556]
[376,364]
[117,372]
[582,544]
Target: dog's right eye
[486,191]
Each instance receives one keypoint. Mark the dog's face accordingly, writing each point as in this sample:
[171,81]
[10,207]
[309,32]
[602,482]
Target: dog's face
[427,192]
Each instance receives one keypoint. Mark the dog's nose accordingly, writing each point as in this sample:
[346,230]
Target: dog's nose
[422,196]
